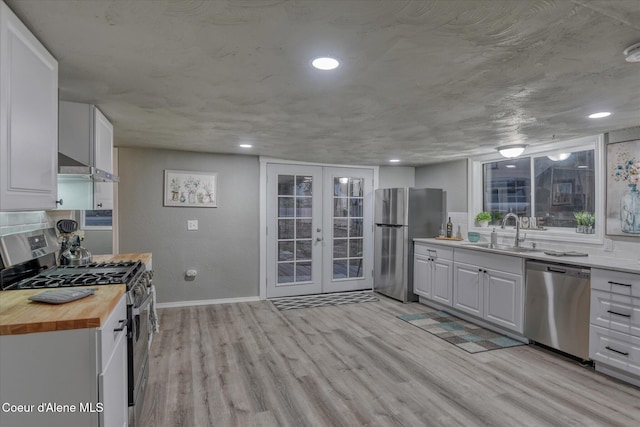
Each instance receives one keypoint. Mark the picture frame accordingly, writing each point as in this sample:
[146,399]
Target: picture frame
[623,189]
[562,193]
[190,189]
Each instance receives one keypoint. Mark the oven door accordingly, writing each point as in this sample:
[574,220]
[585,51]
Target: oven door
[138,349]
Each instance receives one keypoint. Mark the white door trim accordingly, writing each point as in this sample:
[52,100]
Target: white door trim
[264,161]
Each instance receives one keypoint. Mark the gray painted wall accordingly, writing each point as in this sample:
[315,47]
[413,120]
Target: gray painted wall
[451,177]
[396,176]
[98,242]
[225,249]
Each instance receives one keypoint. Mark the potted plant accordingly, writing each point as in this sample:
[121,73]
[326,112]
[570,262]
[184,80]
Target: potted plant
[585,221]
[483,219]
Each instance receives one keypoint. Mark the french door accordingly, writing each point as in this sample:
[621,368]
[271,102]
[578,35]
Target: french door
[319,229]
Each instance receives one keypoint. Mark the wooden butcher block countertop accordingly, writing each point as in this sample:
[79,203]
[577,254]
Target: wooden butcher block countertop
[144,257]
[19,315]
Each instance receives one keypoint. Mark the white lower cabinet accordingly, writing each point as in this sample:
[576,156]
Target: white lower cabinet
[489,286]
[74,377]
[615,349]
[469,288]
[614,332]
[433,273]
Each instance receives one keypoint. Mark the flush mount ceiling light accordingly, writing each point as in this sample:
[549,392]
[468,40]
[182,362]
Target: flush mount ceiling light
[394,160]
[245,145]
[559,157]
[510,166]
[599,115]
[510,151]
[325,63]
[632,53]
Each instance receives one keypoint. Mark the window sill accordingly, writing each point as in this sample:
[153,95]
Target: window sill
[564,235]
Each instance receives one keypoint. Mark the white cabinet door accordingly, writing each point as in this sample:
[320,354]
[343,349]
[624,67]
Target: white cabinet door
[468,292]
[422,276]
[504,299]
[112,387]
[442,281]
[112,368]
[28,118]
[103,152]
[103,137]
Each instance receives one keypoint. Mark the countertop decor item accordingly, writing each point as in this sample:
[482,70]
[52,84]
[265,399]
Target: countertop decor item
[473,236]
[449,238]
[623,194]
[483,219]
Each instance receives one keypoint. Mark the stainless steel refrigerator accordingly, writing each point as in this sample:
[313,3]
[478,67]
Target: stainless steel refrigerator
[401,215]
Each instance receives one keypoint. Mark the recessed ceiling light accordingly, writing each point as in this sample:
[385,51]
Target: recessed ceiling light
[325,63]
[394,160]
[510,166]
[246,145]
[632,53]
[582,166]
[599,115]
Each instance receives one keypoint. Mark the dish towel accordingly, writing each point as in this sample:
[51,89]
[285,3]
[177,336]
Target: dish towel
[153,315]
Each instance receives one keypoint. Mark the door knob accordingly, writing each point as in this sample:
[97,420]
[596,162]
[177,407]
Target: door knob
[318,229]
[99,205]
[318,239]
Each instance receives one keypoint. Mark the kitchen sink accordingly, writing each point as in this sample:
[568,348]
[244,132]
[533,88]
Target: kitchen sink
[506,248]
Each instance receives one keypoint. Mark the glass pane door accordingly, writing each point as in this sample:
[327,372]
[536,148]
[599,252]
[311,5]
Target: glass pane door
[348,219]
[295,205]
[348,200]
[294,239]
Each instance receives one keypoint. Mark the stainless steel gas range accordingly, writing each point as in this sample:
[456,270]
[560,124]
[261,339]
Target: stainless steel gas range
[28,261]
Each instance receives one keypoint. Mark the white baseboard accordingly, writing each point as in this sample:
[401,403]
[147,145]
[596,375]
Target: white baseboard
[206,302]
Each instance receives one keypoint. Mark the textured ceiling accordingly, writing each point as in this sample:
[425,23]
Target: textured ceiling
[421,80]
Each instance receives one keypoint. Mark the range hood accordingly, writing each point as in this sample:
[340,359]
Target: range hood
[69,166]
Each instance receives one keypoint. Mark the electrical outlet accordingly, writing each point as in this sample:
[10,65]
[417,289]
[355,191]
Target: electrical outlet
[608,245]
[192,224]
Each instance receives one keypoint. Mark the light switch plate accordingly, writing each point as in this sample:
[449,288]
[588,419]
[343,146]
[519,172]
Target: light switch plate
[192,224]
[608,245]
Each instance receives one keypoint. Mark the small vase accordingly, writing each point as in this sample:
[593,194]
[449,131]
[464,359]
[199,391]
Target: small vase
[192,197]
[483,223]
[630,210]
[182,198]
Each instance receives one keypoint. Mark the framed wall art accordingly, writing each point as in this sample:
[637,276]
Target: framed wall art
[623,189]
[190,189]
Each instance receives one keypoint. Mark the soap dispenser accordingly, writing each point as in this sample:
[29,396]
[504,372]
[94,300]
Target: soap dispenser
[494,238]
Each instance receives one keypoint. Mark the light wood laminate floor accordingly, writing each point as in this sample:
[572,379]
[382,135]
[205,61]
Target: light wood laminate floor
[248,364]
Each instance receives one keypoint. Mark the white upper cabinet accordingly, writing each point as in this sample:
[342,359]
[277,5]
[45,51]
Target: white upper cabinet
[86,135]
[28,118]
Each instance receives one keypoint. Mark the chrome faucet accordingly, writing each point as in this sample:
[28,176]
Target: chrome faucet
[515,217]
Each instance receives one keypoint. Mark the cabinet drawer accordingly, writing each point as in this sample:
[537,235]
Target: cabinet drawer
[618,312]
[433,251]
[615,349]
[506,263]
[108,336]
[615,281]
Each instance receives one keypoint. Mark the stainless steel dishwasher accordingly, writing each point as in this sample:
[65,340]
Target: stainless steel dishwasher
[556,312]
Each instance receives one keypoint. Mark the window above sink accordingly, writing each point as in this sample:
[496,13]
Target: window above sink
[548,183]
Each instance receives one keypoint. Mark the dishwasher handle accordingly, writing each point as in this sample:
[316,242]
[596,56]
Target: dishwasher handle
[557,270]
[569,270]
